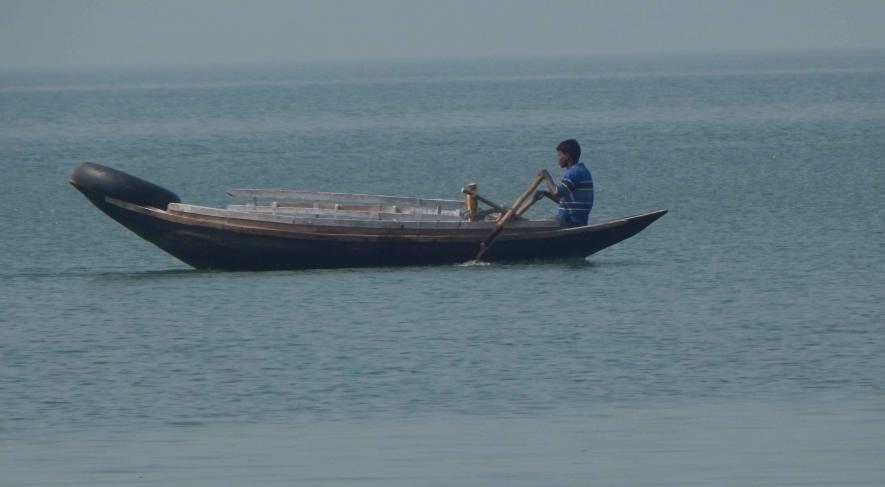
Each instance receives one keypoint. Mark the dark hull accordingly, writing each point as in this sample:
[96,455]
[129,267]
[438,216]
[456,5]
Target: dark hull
[215,243]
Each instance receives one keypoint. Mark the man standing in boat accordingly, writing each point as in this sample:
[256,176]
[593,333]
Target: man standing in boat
[575,193]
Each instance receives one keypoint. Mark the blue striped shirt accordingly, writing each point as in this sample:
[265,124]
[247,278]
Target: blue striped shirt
[575,194]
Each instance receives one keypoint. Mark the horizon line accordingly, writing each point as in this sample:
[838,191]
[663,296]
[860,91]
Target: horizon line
[448,58]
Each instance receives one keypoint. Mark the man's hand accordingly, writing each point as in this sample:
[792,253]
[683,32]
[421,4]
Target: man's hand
[551,186]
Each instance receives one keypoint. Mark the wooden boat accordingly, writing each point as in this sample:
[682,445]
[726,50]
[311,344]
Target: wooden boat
[281,229]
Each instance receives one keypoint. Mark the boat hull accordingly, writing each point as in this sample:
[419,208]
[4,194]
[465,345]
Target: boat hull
[212,242]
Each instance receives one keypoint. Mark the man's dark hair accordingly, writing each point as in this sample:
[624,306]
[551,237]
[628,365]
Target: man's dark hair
[570,147]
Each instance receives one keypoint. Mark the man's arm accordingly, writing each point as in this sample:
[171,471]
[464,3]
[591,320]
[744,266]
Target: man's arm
[552,192]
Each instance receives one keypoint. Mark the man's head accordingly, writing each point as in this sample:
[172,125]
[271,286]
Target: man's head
[568,152]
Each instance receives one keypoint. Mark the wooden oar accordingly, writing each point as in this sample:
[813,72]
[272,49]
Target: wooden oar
[516,210]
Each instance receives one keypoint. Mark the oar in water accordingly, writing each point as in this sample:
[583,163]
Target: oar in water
[517,210]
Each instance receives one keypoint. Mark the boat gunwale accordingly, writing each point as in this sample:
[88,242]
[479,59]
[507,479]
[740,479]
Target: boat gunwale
[313,231]
[390,223]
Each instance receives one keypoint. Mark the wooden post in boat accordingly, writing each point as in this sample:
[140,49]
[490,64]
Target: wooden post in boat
[470,200]
[479,198]
[506,217]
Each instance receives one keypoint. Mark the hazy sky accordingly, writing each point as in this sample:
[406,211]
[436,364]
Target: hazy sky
[111,32]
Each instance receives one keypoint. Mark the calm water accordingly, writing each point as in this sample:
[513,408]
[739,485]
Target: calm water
[740,340]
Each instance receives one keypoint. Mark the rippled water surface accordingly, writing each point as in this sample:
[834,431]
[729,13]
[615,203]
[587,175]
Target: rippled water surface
[739,340]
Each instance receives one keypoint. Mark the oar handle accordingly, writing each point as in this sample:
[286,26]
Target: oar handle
[535,183]
[506,217]
[528,204]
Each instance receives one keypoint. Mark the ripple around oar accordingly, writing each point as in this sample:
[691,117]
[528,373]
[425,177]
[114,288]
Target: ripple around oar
[474,263]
